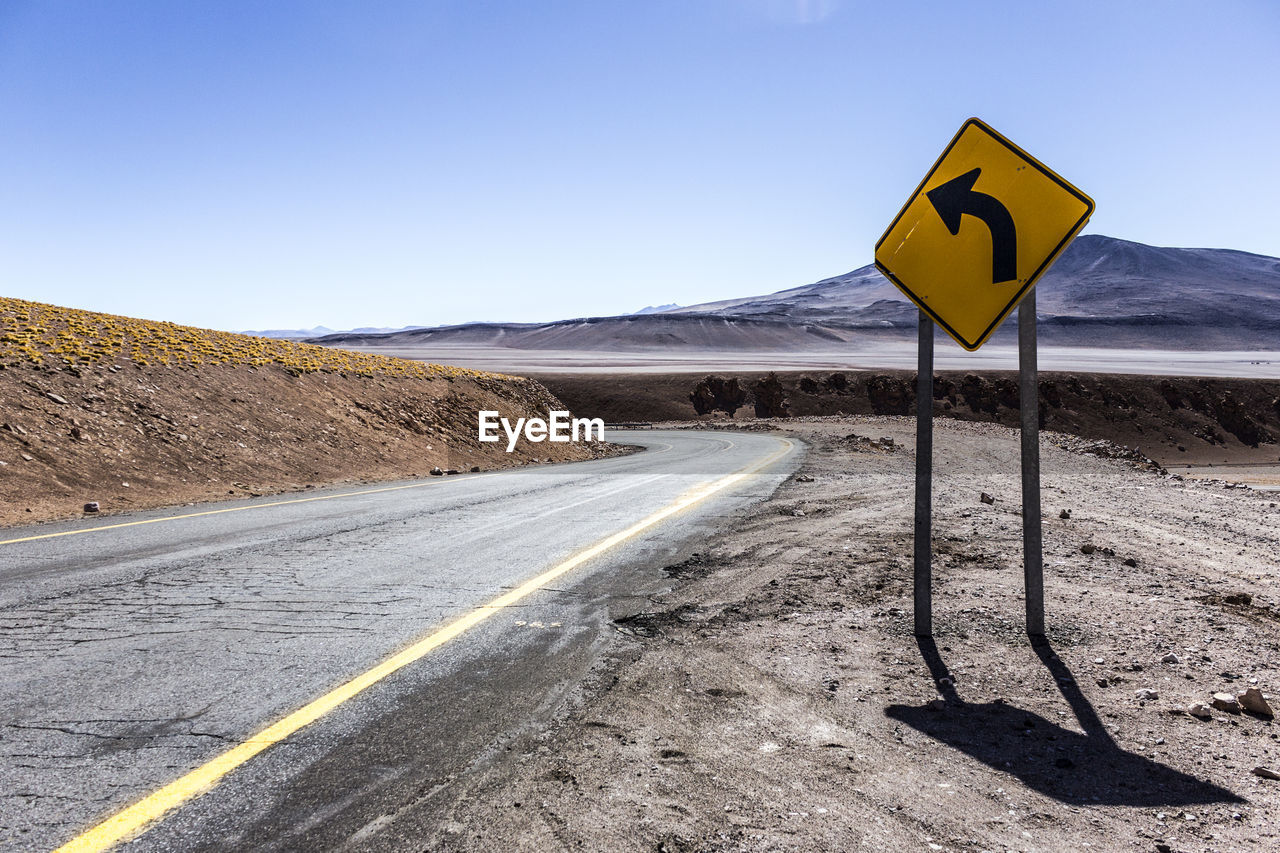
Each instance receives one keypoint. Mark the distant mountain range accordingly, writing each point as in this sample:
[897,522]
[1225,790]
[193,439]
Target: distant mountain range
[1102,292]
[657,309]
[321,331]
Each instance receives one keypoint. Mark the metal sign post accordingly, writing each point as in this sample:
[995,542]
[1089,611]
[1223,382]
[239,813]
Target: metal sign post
[924,482]
[968,246]
[1029,406]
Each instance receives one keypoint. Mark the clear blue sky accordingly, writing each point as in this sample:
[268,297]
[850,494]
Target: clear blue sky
[248,164]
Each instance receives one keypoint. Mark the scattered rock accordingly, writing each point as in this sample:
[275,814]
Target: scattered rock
[986,498]
[1252,700]
[60,400]
[1066,513]
[1171,658]
[1087,548]
[804,478]
[92,506]
[1266,773]
[475,469]
[798,513]
[452,471]
[937,704]
[1199,709]
[1238,598]
[1226,702]
[1146,695]
[1110,450]
[1130,562]
[437,472]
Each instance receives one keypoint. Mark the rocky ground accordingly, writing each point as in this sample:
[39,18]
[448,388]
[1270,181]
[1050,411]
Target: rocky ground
[773,697]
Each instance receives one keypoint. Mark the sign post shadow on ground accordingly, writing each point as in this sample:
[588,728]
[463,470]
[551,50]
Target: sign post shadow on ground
[968,246]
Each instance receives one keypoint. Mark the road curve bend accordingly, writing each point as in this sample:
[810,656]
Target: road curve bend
[306,673]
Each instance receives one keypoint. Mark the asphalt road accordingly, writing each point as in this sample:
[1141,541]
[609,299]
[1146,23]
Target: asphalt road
[132,655]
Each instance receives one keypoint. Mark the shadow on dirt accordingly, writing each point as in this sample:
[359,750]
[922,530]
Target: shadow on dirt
[1082,769]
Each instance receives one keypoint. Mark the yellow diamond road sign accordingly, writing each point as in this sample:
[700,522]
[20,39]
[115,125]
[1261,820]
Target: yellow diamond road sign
[983,225]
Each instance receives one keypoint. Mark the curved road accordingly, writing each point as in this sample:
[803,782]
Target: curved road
[325,665]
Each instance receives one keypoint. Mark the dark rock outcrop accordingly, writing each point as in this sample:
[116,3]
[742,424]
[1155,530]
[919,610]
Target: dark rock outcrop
[770,398]
[890,395]
[1236,420]
[716,394]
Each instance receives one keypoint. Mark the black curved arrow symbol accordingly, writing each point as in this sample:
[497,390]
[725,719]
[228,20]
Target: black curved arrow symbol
[956,197]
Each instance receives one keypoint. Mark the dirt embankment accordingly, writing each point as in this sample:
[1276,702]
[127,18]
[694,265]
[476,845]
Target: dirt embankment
[1172,419]
[775,699]
[131,414]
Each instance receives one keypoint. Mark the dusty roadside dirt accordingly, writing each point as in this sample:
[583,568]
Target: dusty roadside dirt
[775,698]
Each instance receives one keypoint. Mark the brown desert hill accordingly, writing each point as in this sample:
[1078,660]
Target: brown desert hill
[1102,292]
[133,414]
[1171,419]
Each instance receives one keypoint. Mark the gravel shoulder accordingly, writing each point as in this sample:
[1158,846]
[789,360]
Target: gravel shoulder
[773,697]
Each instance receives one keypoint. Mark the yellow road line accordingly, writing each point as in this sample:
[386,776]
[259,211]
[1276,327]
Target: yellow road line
[133,820]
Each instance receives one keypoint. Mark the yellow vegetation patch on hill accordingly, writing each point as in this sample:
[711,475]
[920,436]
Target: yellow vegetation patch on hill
[49,335]
[123,414]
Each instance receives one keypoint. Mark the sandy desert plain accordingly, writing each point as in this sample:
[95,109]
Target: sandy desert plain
[887,354]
